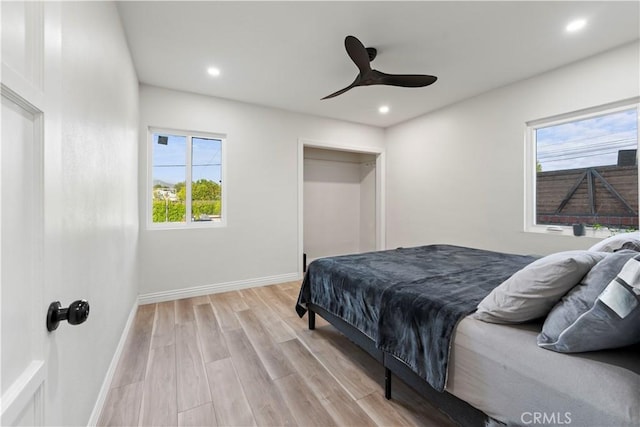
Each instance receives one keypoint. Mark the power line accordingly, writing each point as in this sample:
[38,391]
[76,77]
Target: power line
[612,142]
[585,151]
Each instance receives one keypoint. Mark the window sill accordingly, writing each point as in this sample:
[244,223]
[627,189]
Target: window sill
[558,230]
[185,226]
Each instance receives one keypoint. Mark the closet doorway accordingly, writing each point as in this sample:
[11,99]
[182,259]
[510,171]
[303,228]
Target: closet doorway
[341,202]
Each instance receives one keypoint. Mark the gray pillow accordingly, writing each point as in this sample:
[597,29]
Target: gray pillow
[532,292]
[634,246]
[615,242]
[602,312]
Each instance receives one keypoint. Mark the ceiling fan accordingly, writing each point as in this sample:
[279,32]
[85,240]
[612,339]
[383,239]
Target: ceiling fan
[362,57]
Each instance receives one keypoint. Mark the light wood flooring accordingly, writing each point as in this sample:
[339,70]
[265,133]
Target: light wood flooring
[244,358]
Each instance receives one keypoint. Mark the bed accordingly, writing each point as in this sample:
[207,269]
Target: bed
[410,308]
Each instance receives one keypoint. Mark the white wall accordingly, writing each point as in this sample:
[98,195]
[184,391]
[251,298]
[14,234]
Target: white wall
[368,205]
[339,203]
[92,191]
[457,175]
[260,241]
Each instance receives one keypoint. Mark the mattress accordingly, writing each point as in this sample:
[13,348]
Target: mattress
[408,300]
[500,370]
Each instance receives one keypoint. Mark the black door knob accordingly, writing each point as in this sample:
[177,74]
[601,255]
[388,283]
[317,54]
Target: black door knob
[75,314]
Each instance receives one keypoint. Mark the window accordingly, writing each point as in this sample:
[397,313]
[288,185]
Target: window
[583,169]
[186,179]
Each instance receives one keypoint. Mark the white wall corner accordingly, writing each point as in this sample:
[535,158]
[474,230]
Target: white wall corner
[106,383]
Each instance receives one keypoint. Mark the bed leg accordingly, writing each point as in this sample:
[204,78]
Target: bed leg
[387,383]
[312,320]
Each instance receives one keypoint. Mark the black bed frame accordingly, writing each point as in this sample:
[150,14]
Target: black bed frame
[458,410]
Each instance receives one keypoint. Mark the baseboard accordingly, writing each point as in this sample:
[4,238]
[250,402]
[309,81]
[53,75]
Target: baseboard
[215,288]
[104,390]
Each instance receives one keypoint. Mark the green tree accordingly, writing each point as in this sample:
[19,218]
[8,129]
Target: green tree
[206,201]
[538,167]
[182,194]
[206,207]
[181,191]
[164,210]
[204,189]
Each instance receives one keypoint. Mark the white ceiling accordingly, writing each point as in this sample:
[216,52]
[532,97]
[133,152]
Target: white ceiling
[290,54]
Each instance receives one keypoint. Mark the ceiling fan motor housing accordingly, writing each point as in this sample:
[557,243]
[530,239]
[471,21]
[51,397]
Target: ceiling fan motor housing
[372,52]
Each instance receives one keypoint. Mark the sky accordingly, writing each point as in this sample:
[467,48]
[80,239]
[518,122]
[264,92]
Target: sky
[169,160]
[586,143]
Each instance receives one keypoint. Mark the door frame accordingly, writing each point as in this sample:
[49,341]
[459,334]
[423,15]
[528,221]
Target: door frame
[379,191]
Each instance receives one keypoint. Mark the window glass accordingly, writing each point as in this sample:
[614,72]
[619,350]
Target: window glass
[186,179]
[586,171]
[206,178]
[169,176]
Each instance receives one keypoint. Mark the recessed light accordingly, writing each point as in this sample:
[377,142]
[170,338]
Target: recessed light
[576,25]
[213,71]
[383,109]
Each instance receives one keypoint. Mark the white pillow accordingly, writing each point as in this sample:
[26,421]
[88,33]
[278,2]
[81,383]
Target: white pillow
[615,242]
[533,291]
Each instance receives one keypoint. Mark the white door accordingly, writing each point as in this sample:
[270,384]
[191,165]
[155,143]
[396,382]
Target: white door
[23,367]
[23,310]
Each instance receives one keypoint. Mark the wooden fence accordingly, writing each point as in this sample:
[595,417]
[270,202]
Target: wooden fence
[606,195]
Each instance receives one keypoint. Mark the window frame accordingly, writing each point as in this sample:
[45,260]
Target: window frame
[530,159]
[189,135]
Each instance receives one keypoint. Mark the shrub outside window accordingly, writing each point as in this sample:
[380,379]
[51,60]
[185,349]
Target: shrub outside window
[584,170]
[186,178]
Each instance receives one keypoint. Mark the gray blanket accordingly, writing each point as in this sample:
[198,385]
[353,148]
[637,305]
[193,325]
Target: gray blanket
[408,300]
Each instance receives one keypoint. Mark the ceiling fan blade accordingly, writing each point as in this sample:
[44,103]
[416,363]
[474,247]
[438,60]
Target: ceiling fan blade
[358,54]
[362,58]
[404,80]
[341,91]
